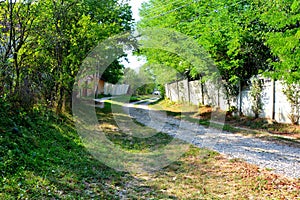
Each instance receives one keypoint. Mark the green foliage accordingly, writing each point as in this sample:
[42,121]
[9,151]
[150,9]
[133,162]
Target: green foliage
[241,37]
[161,88]
[147,88]
[256,95]
[42,156]
[140,82]
[283,20]
[113,73]
[160,63]
[162,73]
[131,78]
[45,43]
[292,92]
[16,20]
[231,110]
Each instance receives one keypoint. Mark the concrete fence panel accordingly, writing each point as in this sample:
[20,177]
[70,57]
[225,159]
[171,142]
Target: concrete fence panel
[282,106]
[195,92]
[275,103]
[112,89]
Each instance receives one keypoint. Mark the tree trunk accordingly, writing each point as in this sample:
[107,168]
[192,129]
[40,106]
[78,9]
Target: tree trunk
[59,102]
[16,65]
[67,102]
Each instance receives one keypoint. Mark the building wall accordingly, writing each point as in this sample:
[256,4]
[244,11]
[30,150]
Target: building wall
[100,87]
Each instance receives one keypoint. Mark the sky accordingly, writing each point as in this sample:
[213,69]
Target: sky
[134,61]
[135,5]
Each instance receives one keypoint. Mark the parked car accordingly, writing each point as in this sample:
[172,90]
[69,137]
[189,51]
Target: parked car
[156,92]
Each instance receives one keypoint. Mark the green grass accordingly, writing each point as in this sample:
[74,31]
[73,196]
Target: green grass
[135,98]
[131,98]
[103,95]
[46,159]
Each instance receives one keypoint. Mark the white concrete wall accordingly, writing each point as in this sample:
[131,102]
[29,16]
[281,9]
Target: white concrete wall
[172,91]
[214,95]
[184,91]
[282,106]
[195,92]
[113,89]
[246,103]
[267,99]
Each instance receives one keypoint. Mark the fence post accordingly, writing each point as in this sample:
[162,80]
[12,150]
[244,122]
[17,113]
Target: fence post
[202,92]
[240,98]
[178,96]
[218,96]
[188,90]
[273,99]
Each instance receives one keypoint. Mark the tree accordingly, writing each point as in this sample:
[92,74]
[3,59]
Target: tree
[16,18]
[283,21]
[43,44]
[283,37]
[148,81]
[114,72]
[65,32]
[160,61]
[231,31]
[139,82]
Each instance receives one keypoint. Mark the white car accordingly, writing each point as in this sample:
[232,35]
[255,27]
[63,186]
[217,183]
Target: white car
[156,92]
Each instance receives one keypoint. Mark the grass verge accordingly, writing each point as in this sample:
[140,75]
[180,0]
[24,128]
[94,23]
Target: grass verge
[42,157]
[262,128]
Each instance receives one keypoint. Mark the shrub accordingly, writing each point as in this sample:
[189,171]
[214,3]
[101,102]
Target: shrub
[255,94]
[292,92]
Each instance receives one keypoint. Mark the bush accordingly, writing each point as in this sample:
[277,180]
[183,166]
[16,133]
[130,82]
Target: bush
[292,92]
[256,93]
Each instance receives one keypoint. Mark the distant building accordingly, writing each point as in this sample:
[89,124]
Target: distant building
[92,85]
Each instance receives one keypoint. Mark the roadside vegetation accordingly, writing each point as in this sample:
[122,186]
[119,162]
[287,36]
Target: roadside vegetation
[47,160]
[240,39]
[43,45]
[42,157]
[259,127]
[135,98]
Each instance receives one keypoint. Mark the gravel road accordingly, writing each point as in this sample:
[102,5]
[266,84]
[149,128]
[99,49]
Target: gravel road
[280,158]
